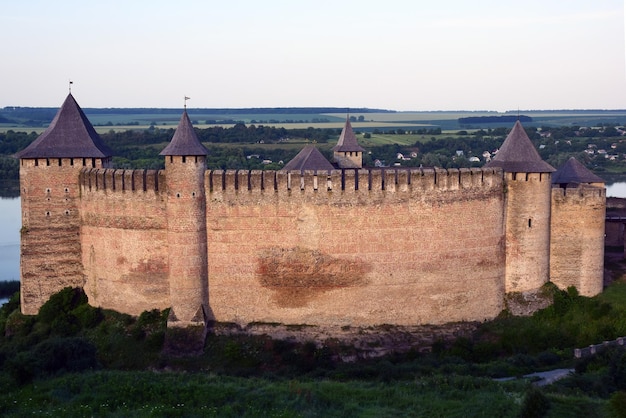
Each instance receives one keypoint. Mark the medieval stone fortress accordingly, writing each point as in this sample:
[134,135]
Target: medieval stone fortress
[319,242]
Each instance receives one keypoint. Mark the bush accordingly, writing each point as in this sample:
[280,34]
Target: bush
[18,324]
[61,304]
[88,316]
[535,404]
[53,356]
[618,404]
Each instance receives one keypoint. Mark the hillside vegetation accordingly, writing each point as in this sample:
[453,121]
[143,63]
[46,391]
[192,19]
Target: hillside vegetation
[74,360]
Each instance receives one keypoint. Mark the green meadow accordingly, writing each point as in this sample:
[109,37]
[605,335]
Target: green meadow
[121,119]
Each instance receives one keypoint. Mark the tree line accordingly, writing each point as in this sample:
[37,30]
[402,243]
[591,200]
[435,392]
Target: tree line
[140,148]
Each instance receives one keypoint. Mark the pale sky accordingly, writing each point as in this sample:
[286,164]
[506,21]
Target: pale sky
[392,54]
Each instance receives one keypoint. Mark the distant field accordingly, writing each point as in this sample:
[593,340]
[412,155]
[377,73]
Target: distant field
[381,121]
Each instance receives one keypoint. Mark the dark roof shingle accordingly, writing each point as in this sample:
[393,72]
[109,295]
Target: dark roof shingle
[573,171]
[185,141]
[309,158]
[70,135]
[518,154]
[347,140]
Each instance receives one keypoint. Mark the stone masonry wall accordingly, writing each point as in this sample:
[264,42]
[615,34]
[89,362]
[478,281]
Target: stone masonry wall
[527,231]
[369,247]
[50,237]
[124,239]
[187,239]
[577,238]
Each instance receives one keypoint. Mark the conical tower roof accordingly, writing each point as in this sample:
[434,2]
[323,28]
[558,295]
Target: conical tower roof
[573,171]
[310,158]
[518,154]
[347,140]
[70,135]
[185,141]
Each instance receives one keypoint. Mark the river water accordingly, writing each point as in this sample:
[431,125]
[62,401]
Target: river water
[10,224]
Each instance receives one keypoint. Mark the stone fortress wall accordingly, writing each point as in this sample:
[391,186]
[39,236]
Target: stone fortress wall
[355,247]
[328,247]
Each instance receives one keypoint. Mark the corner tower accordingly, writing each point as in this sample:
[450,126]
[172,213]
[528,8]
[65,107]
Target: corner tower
[185,166]
[50,254]
[577,229]
[348,153]
[527,211]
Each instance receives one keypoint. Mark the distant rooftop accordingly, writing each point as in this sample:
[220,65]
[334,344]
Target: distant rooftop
[518,154]
[309,158]
[69,135]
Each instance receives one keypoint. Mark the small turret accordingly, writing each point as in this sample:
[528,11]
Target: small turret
[51,256]
[527,217]
[185,166]
[348,153]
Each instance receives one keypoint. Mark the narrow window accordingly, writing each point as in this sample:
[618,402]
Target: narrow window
[530,223]
[184,159]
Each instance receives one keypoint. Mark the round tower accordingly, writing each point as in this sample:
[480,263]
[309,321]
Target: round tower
[50,254]
[527,212]
[185,166]
[577,229]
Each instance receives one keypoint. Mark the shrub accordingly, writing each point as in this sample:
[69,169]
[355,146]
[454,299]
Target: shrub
[618,404]
[61,304]
[18,324]
[51,357]
[88,316]
[535,404]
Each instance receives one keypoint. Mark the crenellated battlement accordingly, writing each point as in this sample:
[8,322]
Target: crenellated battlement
[114,180]
[390,180]
[582,191]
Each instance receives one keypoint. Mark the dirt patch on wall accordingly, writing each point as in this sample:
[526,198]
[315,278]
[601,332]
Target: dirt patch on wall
[296,275]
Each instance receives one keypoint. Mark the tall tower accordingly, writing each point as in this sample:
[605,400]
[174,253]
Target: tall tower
[185,166]
[527,207]
[50,255]
[348,153]
[577,229]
